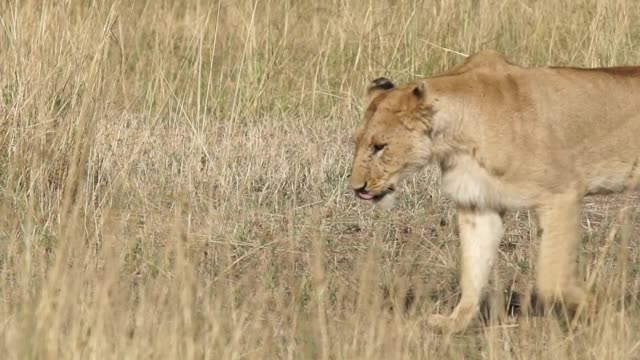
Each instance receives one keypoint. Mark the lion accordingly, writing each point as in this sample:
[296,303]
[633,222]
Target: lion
[506,137]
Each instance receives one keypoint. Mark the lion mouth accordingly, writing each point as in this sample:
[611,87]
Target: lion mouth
[366,195]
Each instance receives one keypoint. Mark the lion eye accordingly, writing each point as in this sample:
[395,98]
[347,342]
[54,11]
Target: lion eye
[377,147]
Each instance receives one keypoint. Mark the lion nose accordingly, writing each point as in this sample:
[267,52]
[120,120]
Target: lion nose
[361,188]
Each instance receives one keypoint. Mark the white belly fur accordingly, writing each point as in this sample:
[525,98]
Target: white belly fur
[468,184]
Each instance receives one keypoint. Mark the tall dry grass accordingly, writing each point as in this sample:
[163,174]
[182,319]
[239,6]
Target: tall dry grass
[174,182]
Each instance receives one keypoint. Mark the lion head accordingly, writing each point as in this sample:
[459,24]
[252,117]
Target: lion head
[393,140]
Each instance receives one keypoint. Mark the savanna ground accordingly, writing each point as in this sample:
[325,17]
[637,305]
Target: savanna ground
[174,182]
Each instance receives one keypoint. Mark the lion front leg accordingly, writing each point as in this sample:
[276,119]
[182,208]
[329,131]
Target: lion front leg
[480,233]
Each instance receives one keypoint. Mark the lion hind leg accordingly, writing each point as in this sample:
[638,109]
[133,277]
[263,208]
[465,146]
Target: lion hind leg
[557,276]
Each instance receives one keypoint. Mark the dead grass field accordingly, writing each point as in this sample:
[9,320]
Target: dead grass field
[174,182]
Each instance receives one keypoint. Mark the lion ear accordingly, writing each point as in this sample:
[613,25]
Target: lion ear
[418,90]
[381,84]
[378,86]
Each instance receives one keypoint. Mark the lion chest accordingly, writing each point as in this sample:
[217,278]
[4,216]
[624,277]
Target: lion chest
[470,185]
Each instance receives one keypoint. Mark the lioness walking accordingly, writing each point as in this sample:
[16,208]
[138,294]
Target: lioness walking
[506,137]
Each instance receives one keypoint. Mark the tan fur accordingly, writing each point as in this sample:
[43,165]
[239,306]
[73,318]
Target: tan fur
[507,137]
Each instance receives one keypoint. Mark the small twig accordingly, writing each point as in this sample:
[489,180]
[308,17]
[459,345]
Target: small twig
[444,48]
[249,253]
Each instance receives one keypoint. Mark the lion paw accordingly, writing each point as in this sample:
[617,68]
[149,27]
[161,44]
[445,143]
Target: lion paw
[439,321]
[445,324]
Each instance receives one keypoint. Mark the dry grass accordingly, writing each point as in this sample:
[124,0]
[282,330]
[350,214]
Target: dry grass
[174,182]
